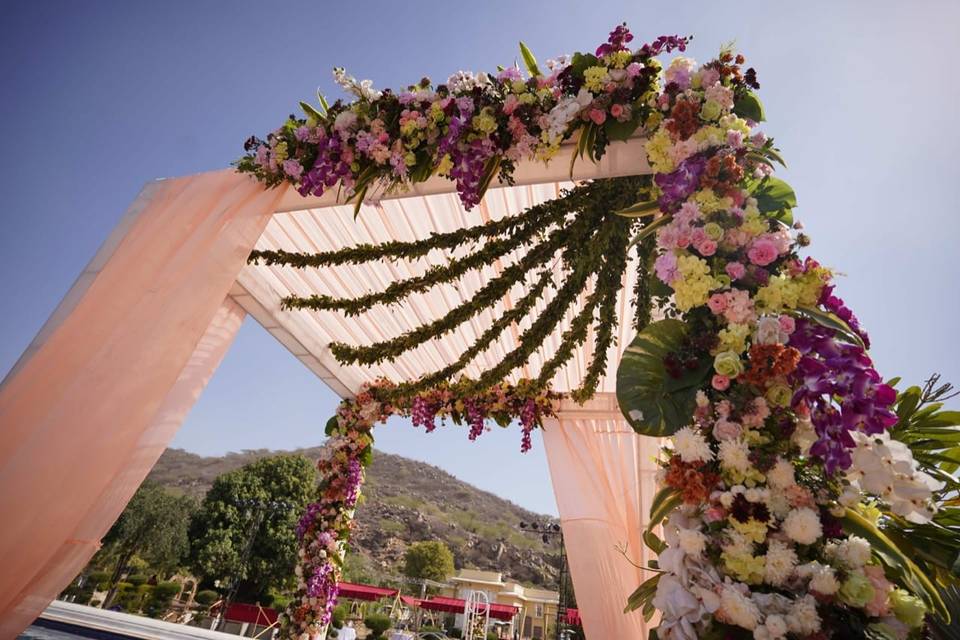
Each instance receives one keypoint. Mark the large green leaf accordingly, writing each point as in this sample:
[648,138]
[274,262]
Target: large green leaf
[654,403]
[750,107]
[529,60]
[775,197]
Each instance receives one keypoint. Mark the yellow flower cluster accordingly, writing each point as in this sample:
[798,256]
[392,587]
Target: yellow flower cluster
[785,292]
[695,283]
[596,78]
[709,202]
[484,122]
[658,151]
[743,566]
[618,59]
[734,338]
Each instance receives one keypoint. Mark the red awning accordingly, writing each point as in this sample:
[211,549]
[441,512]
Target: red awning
[364,591]
[251,613]
[456,605]
[573,616]
[410,601]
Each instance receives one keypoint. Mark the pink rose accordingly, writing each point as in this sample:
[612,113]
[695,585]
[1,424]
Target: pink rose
[707,248]
[725,429]
[616,110]
[720,383]
[788,324]
[634,69]
[717,303]
[598,116]
[735,270]
[762,252]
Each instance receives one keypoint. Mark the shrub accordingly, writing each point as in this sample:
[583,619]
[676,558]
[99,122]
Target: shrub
[166,590]
[338,616]
[101,579]
[492,636]
[455,633]
[206,597]
[137,579]
[158,602]
[377,623]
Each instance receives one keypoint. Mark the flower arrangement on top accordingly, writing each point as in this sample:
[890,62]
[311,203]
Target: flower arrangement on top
[471,129]
[800,491]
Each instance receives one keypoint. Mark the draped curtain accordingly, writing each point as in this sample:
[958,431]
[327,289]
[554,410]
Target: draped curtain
[99,394]
[603,478]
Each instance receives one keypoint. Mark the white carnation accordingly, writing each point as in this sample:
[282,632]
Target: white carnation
[780,563]
[803,619]
[692,541]
[803,525]
[691,446]
[823,579]
[774,627]
[735,455]
[738,609]
[781,475]
[853,553]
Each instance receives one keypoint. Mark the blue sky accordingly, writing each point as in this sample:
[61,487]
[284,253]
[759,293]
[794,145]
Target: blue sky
[100,97]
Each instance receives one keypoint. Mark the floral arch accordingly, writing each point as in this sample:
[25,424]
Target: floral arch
[790,504]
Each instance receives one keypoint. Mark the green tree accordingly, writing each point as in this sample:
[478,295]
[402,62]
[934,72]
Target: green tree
[431,560]
[154,528]
[262,500]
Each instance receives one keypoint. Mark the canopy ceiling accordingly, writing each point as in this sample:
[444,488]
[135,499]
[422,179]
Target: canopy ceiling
[320,224]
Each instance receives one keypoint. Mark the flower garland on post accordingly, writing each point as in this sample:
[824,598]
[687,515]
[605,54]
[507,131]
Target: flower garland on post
[325,527]
[762,377]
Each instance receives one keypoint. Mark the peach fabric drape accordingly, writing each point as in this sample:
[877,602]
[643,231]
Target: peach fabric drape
[603,478]
[100,393]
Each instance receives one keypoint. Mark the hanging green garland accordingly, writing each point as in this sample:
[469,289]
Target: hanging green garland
[580,229]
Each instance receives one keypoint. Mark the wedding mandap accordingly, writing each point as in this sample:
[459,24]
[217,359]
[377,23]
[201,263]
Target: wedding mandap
[596,247]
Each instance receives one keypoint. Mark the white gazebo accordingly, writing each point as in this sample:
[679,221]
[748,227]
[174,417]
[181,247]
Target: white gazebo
[106,383]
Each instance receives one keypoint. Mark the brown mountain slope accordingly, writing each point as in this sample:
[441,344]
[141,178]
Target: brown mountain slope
[404,501]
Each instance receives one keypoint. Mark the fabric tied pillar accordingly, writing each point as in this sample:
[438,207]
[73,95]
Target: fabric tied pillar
[100,393]
[604,480]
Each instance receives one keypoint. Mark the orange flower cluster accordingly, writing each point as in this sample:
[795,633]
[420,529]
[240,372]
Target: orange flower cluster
[723,174]
[770,361]
[694,484]
[684,119]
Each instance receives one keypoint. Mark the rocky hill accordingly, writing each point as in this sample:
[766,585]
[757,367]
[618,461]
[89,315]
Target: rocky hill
[404,502]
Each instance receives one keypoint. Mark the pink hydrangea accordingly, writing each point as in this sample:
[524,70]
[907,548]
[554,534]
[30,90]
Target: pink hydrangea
[666,267]
[717,303]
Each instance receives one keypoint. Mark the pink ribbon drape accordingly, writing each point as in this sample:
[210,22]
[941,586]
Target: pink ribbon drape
[603,478]
[98,396]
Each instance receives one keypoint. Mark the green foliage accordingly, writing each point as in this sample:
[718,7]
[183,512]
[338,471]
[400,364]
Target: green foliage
[775,198]
[154,526]
[455,633]
[378,624]
[939,629]
[430,560]
[339,616]
[749,106]
[580,230]
[157,602]
[222,527]
[137,579]
[206,597]
[654,403]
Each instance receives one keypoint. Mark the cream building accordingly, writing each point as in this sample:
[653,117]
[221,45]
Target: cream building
[537,608]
